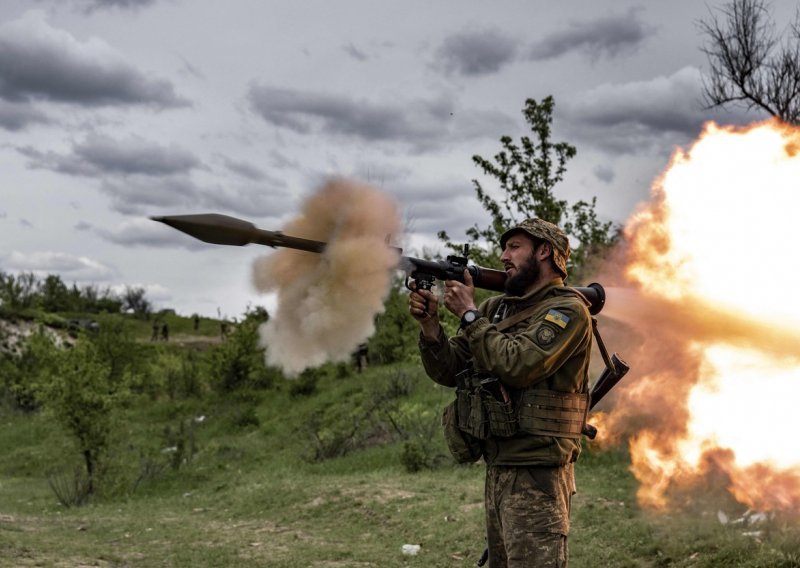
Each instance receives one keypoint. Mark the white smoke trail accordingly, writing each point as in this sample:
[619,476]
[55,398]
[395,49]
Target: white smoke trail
[327,302]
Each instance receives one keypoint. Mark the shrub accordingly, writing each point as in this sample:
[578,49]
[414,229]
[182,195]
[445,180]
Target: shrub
[22,373]
[70,490]
[82,395]
[239,361]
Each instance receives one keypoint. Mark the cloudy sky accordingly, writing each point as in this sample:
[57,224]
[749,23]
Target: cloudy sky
[115,110]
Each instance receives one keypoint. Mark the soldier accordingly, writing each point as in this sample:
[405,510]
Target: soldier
[361,356]
[519,364]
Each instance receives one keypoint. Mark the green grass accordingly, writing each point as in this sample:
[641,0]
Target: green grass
[247,497]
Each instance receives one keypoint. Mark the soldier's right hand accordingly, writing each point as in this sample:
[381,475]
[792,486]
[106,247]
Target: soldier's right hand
[423,305]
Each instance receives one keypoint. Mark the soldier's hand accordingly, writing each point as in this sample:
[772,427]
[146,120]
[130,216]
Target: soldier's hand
[422,304]
[460,296]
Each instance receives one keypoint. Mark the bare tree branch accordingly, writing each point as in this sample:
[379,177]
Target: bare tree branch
[749,64]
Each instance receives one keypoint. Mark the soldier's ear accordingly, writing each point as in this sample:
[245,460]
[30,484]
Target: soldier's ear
[544,250]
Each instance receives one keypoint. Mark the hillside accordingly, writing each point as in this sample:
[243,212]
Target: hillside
[212,459]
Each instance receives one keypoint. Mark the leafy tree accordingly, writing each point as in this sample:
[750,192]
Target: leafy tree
[21,372]
[25,290]
[82,395]
[17,292]
[133,298]
[54,295]
[116,346]
[527,174]
[98,301]
[749,64]
[239,361]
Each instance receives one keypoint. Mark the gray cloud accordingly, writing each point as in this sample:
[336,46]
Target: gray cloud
[141,195]
[636,116]
[306,112]
[100,155]
[475,53]
[431,207]
[281,161]
[604,173]
[244,169]
[149,233]
[93,5]
[610,37]
[47,262]
[140,176]
[17,116]
[354,52]
[136,195]
[39,62]
[423,124]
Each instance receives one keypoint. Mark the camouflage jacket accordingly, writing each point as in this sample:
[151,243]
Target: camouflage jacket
[548,350]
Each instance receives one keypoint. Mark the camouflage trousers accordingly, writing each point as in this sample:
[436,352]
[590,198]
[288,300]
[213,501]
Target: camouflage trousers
[527,515]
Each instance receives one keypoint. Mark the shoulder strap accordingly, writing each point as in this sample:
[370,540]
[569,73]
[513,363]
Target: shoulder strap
[516,318]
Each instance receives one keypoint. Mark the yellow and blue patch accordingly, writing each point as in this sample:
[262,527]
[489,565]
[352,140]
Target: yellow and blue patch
[556,317]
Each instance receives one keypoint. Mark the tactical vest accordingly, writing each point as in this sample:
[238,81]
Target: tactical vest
[484,408]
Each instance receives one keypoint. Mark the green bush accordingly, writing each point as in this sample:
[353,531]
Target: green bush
[239,361]
[22,373]
[304,385]
[83,394]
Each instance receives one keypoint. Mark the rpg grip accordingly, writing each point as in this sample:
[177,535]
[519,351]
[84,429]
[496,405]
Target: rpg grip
[422,282]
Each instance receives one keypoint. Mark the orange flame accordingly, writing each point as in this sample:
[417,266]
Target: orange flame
[715,379]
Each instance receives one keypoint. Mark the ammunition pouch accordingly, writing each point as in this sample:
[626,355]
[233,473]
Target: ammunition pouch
[499,410]
[484,409]
[463,447]
[471,415]
[551,413]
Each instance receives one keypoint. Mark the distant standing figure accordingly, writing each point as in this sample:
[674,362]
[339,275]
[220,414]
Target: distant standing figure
[196,322]
[154,337]
[361,355]
[165,332]
[223,329]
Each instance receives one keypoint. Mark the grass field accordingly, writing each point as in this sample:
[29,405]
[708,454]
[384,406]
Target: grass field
[248,494]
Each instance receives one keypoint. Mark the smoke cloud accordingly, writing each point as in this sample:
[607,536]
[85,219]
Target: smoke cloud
[327,302]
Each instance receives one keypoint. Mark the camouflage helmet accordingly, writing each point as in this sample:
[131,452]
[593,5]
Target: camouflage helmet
[545,231]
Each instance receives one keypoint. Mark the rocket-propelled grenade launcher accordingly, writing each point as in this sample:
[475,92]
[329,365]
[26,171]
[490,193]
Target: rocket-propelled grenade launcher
[225,230]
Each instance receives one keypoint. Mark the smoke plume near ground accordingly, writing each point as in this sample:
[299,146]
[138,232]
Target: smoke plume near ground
[327,302]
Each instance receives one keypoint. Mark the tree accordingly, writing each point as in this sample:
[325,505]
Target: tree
[17,292]
[527,174]
[133,298]
[21,372]
[749,64]
[82,395]
[239,361]
[54,295]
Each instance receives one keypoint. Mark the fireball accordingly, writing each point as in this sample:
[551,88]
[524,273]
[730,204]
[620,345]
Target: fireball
[713,259]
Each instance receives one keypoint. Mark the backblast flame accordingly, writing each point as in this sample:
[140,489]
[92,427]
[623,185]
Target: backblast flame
[718,370]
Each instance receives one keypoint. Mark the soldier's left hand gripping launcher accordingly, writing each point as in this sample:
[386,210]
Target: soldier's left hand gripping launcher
[225,230]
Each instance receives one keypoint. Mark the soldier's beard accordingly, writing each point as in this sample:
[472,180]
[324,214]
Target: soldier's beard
[527,274]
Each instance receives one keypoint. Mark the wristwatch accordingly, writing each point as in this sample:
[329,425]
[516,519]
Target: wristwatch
[469,317]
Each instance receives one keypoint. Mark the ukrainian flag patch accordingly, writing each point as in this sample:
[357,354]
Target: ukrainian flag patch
[561,320]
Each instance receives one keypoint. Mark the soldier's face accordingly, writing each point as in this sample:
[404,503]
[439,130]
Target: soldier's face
[520,264]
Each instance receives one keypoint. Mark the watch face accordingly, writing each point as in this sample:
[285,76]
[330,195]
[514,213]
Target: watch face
[470,316]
